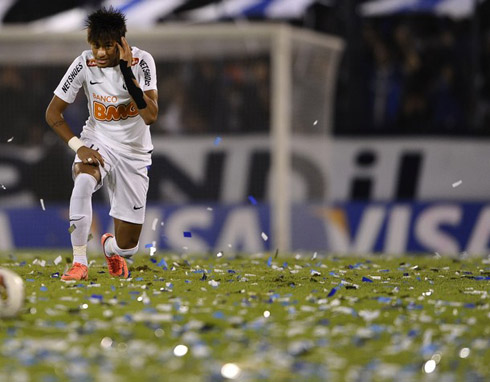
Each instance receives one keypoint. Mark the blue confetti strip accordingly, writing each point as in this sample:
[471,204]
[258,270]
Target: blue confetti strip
[187,234]
[252,200]
[163,264]
[269,261]
[366,280]
[217,140]
[332,292]
[219,314]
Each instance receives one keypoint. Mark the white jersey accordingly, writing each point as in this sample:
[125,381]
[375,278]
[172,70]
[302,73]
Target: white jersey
[113,117]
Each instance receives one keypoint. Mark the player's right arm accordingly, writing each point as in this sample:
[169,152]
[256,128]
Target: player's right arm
[54,118]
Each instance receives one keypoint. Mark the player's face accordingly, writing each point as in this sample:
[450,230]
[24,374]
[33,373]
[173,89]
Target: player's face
[106,53]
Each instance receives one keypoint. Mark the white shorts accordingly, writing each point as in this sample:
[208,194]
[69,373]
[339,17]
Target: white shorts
[126,179]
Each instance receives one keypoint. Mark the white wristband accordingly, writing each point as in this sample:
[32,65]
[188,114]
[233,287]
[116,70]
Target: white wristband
[75,143]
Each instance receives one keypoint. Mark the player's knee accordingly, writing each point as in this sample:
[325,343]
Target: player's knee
[81,168]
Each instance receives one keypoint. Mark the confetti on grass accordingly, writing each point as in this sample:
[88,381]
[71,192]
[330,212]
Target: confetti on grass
[458,183]
[266,320]
[57,260]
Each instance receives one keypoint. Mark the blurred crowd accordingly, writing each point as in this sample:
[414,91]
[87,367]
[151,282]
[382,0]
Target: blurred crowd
[405,74]
[417,76]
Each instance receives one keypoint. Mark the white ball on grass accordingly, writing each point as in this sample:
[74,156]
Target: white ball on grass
[11,293]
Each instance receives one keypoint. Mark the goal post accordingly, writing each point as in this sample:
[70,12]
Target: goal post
[302,68]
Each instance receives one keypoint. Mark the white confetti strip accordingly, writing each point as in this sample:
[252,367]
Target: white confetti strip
[154,224]
[152,251]
[10,139]
[57,260]
[429,366]
[3,187]
[42,204]
[209,208]
[219,254]
[264,236]
[230,371]
[458,183]
[180,350]
[315,123]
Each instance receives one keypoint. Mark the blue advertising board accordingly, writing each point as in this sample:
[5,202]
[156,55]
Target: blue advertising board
[357,228]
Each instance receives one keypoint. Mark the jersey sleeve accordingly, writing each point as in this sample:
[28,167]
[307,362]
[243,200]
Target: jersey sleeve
[72,81]
[148,79]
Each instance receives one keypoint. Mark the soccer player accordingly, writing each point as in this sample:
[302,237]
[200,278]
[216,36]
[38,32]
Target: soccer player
[114,148]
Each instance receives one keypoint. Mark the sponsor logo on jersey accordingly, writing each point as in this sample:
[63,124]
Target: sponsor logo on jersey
[91,62]
[114,112]
[146,71]
[71,77]
[105,98]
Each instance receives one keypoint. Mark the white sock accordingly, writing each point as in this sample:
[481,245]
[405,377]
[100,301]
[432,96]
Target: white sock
[111,248]
[81,215]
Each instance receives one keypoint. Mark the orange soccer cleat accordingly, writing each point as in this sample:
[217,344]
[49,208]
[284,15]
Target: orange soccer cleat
[76,272]
[116,264]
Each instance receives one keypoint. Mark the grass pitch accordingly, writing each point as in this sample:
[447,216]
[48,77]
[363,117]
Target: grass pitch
[251,318]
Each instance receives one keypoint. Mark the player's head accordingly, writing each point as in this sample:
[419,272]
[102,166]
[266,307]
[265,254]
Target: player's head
[105,27]
[106,24]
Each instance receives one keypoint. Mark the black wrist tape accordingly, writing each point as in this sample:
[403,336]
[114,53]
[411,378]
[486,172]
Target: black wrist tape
[133,90]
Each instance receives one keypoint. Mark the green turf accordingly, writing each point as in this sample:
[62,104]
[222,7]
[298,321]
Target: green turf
[416,309]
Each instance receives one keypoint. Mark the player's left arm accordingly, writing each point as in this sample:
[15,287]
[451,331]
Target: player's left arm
[150,112]
[146,102]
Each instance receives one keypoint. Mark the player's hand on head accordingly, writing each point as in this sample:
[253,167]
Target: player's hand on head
[125,51]
[90,156]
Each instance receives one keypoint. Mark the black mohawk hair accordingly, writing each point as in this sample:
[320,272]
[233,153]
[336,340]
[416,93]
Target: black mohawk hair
[106,24]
